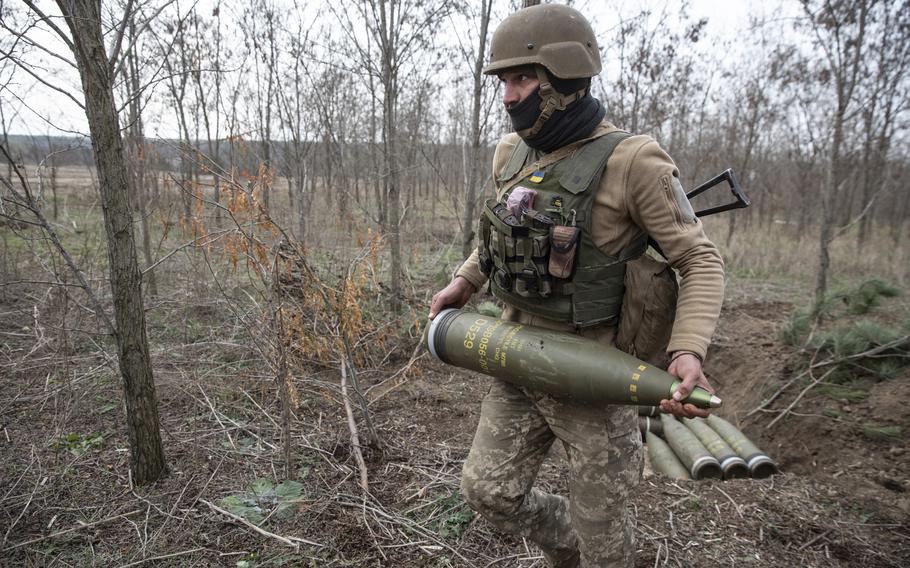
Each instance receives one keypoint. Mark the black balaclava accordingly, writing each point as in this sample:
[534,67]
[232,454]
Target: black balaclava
[575,122]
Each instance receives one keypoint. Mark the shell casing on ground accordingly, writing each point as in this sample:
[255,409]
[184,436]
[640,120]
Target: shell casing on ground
[760,465]
[691,452]
[731,464]
[559,363]
[663,460]
[648,424]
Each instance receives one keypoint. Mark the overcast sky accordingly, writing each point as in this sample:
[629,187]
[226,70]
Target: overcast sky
[727,22]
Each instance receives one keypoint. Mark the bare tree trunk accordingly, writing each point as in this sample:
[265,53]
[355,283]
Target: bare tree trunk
[139,158]
[52,159]
[475,170]
[824,234]
[212,144]
[844,56]
[389,133]
[83,18]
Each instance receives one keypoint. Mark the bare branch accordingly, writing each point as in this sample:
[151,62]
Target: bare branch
[38,78]
[55,240]
[118,41]
[51,23]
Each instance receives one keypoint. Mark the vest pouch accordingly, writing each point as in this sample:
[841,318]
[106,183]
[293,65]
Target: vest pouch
[512,255]
[540,251]
[502,249]
[648,310]
[530,283]
[502,279]
[565,246]
[526,283]
[486,263]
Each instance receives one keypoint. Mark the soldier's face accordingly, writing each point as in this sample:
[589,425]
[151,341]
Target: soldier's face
[517,85]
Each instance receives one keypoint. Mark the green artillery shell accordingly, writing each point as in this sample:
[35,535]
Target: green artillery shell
[648,424]
[760,465]
[663,460]
[691,452]
[558,363]
[731,464]
[649,411]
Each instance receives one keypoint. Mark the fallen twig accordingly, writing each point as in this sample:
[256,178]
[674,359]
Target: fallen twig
[799,397]
[30,497]
[827,362]
[814,539]
[289,541]
[388,385]
[730,499]
[74,529]
[352,426]
[162,557]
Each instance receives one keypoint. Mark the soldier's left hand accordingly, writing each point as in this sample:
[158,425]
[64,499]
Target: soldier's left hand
[687,368]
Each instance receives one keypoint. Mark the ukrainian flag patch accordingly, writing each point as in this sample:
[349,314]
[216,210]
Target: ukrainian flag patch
[537,177]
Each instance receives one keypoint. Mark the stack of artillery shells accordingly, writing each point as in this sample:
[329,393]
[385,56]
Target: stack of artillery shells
[697,448]
[731,465]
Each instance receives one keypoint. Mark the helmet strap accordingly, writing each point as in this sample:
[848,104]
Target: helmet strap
[551,101]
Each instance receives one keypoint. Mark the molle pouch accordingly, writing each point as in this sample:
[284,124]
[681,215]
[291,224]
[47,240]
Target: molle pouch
[496,247]
[563,248]
[526,283]
[502,279]
[540,249]
[511,253]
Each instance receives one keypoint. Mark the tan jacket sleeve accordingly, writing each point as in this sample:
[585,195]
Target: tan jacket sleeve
[470,269]
[654,201]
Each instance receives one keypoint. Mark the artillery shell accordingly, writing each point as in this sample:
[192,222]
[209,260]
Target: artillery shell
[760,465]
[561,364]
[663,460]
[648,424]
[697,459]
[649,411]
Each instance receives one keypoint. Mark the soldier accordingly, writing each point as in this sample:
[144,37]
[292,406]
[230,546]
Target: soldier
[596,192]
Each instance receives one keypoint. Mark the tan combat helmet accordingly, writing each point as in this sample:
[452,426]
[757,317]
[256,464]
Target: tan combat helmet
[552,35]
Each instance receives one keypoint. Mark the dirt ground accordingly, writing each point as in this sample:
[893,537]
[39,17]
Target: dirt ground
[66,500]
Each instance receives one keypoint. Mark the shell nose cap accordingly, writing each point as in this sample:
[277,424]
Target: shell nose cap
[715,402]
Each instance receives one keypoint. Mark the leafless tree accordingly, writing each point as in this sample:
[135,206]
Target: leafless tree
[885,96]
[473,174]
[839,31]
[295,111]
[96,68]
[398,32]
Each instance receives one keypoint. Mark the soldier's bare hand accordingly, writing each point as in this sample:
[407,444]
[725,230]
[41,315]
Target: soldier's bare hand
[687,368]
[455,295]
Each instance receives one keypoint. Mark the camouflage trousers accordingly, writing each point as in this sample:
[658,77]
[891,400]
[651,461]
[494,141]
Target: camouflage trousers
[593,527]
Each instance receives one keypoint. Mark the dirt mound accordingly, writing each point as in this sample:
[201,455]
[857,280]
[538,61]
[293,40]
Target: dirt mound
[833,438]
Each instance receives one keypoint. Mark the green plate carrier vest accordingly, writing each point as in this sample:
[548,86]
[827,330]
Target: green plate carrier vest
[515,252]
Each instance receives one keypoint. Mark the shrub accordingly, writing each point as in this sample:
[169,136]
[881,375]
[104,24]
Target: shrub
[833,332]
